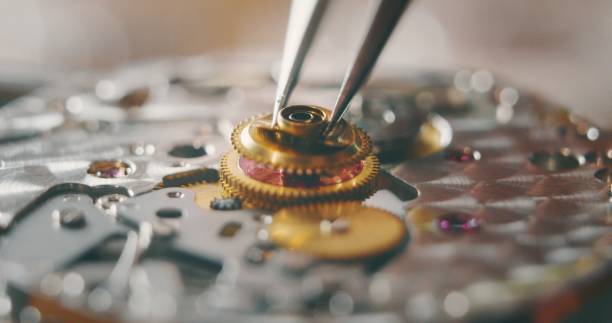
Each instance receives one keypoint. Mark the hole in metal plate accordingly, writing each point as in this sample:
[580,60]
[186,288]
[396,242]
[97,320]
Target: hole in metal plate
[230,229]
[169,213]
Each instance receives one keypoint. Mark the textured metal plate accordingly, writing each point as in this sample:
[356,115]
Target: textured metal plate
[512,212]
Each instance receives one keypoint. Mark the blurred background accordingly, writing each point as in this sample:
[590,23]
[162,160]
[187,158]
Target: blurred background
[558,48]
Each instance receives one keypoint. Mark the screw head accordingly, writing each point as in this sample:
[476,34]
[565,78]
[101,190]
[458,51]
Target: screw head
[70,218]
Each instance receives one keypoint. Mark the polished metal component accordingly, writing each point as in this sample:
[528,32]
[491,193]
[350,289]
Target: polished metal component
[295,146]
[223,204]
[110,168]
[387,15]
[558,160]
[176,195]
[70,218]
[341,230]
[304,20]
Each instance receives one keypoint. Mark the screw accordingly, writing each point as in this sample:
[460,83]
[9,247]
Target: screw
[176,195]
[70,218]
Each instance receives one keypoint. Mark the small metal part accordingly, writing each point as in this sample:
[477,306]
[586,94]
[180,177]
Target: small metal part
[141,149]
[256,255]
[344,230]
[176,195]
[70,218]
[191,177]
[110,169]
[295,146]
[188,151]
[226,204]
[272,196]
[557,160]
[398,127]
[108,203]
[302,120]
[290,165]
[462,155]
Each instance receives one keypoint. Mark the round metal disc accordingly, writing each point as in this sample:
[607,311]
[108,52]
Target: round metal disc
[337,230]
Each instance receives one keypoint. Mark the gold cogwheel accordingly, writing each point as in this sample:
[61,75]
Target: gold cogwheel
[290,146]
[269,196]
[337,231]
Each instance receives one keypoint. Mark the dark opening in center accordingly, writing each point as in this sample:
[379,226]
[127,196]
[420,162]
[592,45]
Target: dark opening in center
[301,116]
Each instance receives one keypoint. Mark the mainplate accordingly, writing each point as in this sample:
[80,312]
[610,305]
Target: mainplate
[490,204]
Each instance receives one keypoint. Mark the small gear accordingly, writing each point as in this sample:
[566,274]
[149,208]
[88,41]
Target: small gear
[337,231]
[291,146]
[277,191]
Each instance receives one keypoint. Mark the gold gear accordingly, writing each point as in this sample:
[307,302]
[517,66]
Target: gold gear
[291,147]
[270,196]
[337,231]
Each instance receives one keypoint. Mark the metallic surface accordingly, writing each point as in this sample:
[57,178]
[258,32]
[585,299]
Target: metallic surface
[304,20]
[299,149]
[386,17]
[521,233]
[270,195]
[337,230]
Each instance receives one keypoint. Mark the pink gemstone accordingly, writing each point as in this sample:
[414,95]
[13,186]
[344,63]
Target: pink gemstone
[458,223]
[266,174]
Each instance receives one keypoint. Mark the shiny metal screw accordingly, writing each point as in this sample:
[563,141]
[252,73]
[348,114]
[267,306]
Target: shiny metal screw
[70,218]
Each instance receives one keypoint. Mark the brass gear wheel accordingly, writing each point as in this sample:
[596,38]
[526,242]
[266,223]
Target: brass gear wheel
[337,231]
[269,196]
[290,145]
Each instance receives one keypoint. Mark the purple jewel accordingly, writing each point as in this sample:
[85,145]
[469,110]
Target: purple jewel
[458,223]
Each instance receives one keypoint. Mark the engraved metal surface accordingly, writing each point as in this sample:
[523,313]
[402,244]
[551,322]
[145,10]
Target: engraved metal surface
[505,198]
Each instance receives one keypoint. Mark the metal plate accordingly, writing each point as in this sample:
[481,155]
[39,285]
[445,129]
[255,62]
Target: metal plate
[509,218]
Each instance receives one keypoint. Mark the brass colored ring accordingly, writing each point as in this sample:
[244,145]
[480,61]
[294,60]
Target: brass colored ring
[271,196]
[301,154]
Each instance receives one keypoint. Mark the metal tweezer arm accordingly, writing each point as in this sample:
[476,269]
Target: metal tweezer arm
[304,19]
[386,17]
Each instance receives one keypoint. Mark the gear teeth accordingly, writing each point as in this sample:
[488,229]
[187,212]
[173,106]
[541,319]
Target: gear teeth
[269,196]
[364,151]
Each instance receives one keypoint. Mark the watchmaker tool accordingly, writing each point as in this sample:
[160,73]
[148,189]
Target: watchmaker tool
[303,21]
